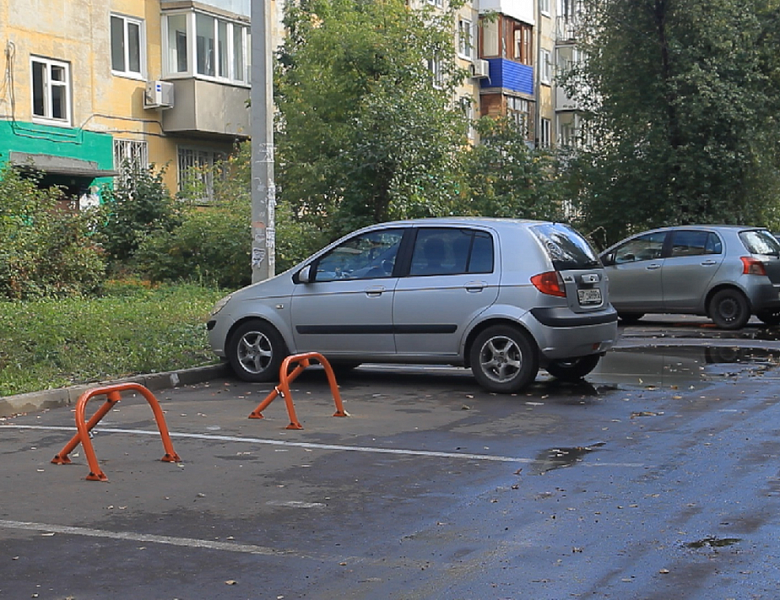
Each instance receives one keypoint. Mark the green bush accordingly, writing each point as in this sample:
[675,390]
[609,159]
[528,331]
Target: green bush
[46,248]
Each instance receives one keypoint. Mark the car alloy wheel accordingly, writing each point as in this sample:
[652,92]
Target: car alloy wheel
[256,351]
[504,359]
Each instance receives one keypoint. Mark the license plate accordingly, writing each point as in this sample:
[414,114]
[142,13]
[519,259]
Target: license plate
[591,296]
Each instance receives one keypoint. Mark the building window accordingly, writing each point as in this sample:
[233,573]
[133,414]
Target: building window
[131,153]
[544,7]
[507,38]
[545,127]
[197,168]
[127,46]
[522,35]
[517,110]
[438,3]
[436,68]
[465,38]
[205,46]
[51,90]
[545,66]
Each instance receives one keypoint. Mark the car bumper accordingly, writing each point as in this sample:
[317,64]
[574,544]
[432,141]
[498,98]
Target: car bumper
[562,334]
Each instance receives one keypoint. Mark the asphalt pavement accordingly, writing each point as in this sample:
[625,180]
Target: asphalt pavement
[655,478]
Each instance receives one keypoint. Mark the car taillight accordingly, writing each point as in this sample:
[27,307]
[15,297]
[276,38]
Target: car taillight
[752,266]
[550,283]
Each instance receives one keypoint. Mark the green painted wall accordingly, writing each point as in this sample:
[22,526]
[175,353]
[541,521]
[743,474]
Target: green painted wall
[17,136]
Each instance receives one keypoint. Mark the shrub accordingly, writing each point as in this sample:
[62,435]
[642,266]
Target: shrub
[46,248]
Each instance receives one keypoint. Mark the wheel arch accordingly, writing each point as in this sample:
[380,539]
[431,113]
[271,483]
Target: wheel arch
[725,286]
[286,338]
[481,326]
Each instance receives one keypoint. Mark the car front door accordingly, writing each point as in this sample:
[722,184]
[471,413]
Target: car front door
[346,307]
[634,271]
[453,276]
[693,258]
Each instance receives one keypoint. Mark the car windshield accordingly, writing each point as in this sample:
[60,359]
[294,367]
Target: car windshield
[566,248]
[759,241]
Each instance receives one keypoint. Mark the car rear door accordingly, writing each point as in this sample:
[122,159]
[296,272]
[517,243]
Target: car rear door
[453,276]
[694,256]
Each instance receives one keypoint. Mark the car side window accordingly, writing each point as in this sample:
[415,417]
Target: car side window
[645,247]
[367,256]
[447,251]
[695,243]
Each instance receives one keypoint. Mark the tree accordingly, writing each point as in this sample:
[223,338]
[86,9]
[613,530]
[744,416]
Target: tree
[367,127]
[681,123]
[503,177]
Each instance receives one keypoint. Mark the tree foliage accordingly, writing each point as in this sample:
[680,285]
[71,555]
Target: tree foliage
[46,248]
[682,127]
[365,134]
[503,177]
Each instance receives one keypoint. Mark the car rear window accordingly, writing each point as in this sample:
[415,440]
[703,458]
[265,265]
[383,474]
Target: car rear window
[760,241]
[566,248]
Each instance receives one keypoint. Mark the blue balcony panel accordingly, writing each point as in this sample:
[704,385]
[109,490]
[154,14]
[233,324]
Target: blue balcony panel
[509,75]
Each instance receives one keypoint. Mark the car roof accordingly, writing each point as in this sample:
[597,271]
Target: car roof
[458,221]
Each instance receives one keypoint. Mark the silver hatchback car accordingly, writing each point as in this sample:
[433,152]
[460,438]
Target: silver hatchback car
[725,272]
[504,297]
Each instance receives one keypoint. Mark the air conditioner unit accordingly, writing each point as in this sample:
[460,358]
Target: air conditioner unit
[480,69]
[158,94]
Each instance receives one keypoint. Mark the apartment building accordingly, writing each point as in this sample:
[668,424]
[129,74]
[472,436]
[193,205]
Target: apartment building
[89,84]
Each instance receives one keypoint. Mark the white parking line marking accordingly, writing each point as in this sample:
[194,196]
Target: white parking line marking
[312,446]
[143,537]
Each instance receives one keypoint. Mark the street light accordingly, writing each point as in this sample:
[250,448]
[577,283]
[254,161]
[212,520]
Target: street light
[263,186]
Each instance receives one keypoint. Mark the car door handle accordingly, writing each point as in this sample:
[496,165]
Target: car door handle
[653,267]
[475,286]
[709,263]
[375,291]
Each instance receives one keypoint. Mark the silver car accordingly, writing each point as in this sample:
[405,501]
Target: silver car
[725,272]
[504,297]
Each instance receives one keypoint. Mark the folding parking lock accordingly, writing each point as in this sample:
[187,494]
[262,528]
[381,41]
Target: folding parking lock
[83,427]
[286,377]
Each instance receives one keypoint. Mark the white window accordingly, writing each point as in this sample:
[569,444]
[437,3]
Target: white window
[544,7]
[132,153]
[436,68]
[196,170]
[517,110]
[439,3]
[545,128]
[465,38]
[202,45]
[51,90]
[467,106]
[127,46]
[545,66]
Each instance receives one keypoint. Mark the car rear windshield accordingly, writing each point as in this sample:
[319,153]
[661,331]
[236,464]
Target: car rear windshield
[760,241]
[566,248]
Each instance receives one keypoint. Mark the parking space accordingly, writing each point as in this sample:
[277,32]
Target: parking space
[431,488]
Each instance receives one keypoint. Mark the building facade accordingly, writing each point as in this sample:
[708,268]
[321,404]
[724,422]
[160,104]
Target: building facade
[90,84]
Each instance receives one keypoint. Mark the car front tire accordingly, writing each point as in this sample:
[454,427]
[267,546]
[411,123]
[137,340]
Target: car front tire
[256,351]
[504,359]
[729,309]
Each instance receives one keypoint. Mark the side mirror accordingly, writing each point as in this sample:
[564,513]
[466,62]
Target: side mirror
[305,275]
[608,259]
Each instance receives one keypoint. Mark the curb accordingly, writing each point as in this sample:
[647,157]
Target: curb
[46,399]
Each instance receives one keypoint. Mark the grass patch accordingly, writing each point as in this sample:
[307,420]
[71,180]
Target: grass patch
[48,344]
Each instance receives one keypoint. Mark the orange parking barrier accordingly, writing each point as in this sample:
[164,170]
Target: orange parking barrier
[83,427]
[286,377]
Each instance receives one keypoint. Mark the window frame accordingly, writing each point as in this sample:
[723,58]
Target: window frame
[48,84]
[220,61]
[465,38]
[127,21]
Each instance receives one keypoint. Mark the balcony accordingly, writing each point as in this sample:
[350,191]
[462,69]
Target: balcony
[509,75]
[207,108]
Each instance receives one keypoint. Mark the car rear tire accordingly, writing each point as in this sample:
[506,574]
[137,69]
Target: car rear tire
[256,351]
[573,369]
[729,309]
[769,317]
[504,359]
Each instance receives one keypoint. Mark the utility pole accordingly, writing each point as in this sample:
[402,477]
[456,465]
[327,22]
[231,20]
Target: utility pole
[263,186]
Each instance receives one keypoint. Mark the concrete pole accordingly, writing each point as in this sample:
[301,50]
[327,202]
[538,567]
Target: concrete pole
[263,187]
